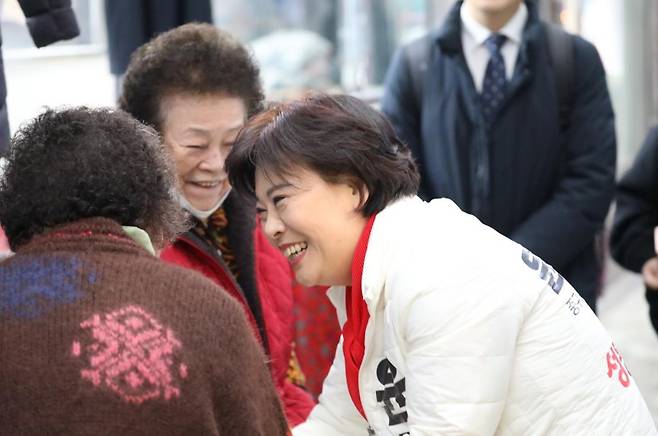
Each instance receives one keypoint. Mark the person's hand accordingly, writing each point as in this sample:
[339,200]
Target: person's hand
[650,273]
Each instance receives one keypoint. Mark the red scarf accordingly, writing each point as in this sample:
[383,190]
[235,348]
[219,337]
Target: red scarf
[354,330]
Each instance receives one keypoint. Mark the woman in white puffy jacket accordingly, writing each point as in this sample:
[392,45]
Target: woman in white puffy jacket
[448,327]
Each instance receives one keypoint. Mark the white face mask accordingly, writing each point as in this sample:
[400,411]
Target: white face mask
[201,214]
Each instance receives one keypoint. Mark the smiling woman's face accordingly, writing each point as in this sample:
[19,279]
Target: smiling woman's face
[199,132]
[315,224]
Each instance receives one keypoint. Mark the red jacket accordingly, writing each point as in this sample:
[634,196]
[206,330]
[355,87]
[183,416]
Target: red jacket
[264,289]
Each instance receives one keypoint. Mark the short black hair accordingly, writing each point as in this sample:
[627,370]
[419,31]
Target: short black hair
[196,59]
[339,137]
[79,163]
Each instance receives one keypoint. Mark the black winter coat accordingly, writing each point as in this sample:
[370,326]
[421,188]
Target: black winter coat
[546,188]
[48,21]
[632,240]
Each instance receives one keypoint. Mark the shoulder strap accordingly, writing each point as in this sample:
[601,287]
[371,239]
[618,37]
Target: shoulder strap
[561,51]
[418,55]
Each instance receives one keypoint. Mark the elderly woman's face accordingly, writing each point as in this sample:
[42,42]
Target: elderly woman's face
[315,224]
[199,132]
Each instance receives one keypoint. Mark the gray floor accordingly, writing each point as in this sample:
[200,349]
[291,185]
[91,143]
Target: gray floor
[623,310]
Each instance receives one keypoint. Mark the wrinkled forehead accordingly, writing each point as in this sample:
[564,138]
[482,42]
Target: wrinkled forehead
[210,110]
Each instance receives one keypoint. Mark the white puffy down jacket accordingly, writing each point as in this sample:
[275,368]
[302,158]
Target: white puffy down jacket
[471,334]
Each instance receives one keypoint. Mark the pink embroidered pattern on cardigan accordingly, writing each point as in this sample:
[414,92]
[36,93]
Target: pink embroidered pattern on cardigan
[131,353]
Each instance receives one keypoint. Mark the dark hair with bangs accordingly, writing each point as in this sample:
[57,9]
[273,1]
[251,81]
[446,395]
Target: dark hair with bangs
[196,59]
[339,137]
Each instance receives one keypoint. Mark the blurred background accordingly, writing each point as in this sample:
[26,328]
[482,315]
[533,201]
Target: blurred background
[333,45]
[345,45]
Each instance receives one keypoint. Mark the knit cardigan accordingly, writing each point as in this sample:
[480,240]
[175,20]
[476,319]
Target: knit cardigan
[99,337]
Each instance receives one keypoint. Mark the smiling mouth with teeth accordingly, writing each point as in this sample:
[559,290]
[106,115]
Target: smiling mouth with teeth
[206,184]
[295,250]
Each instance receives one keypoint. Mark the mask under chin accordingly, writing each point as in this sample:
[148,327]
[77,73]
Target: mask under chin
[201,214]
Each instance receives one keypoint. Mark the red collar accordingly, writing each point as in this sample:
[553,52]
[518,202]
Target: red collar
[354,329]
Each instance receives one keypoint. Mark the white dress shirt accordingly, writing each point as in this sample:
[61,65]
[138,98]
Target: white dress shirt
[477,56]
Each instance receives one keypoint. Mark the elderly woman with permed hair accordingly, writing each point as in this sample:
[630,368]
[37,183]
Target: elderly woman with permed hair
[197,85]
[98,336]
[448,327]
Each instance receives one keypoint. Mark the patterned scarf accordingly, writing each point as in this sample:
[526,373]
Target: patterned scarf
[216,234]
[294,374]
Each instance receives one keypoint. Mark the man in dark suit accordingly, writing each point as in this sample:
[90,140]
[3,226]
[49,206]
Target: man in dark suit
[484,122]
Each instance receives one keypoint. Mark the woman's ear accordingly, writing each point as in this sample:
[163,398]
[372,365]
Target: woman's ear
[360,195]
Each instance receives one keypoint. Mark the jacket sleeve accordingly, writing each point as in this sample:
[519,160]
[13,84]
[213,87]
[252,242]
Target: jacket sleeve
[637,208]
[50,21]
[335,413]
[459,355]
[399,101]
[565,225]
